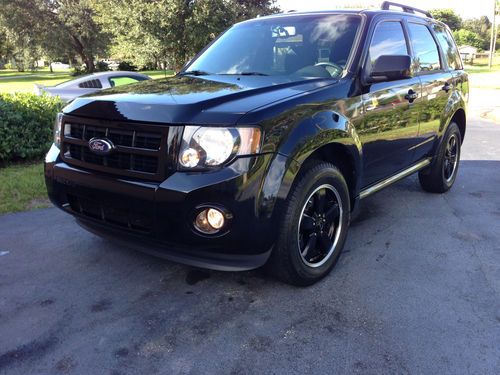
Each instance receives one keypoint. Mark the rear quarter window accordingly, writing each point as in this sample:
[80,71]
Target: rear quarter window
[90,84]
[449,47]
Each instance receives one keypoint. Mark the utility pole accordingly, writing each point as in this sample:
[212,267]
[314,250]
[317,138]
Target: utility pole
[493,34]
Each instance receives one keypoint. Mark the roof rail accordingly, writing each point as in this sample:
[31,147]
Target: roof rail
[386,5]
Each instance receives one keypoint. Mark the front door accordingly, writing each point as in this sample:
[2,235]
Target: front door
[390,124]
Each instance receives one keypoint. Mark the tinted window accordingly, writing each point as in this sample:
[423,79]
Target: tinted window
[424,48]
[448,46]
[388,39]
[120,81]
[293,47]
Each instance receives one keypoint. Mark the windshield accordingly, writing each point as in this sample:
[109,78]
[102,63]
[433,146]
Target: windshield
[314,46]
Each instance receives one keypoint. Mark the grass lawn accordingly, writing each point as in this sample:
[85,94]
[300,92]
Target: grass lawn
[27,84]
[22,187]
[481,66]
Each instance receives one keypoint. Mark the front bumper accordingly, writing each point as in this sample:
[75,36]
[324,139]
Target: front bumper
[157,217]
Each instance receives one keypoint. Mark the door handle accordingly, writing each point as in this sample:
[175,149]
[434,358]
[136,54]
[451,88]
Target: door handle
[447,87]
[411,96]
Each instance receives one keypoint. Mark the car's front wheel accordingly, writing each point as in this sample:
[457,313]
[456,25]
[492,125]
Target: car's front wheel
[314,227]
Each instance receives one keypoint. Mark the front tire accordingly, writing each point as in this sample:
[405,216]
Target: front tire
[441,175]
[314,227]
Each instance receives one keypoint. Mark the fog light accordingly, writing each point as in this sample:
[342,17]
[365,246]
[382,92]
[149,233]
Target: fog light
[215,218]
[190,158]
[209,221]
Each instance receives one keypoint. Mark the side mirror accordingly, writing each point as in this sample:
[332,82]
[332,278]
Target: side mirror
[390,68]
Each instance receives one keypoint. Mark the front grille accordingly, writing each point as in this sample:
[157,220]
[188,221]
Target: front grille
[102,212]
[139,150]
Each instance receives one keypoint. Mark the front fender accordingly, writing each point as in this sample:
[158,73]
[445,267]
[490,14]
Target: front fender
[321,129]
[309,135]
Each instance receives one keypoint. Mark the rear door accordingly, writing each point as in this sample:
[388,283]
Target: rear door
[390,124]
[437,85]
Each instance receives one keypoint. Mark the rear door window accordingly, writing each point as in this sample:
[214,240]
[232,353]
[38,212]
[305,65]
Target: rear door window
[425,49]
[449,47]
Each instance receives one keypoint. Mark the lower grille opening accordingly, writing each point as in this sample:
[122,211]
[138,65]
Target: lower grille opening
[107,214]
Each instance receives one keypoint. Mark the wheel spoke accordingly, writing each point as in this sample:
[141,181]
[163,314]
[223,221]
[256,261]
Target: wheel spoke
[311,244]
[319,201]
[325,242]
[332,213]
[449,169]
[453,142]
[307,223]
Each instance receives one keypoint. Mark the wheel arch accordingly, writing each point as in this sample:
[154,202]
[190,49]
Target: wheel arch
[460,119]
[341,156]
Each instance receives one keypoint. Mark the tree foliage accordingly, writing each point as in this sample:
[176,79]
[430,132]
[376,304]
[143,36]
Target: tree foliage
[474,32]
[146,32]
[466,37]
[449,17]
[169,32]
[54,26]
[481,28]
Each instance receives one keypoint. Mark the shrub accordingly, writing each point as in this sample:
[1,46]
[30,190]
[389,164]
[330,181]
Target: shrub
[26,125]
[101,66]
[127,66]
[77,71]
[149,66]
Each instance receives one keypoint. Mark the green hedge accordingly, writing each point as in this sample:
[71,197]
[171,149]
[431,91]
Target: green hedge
[26,125]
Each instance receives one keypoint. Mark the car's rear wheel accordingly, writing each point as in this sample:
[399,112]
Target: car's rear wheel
[314,227]
[442,173]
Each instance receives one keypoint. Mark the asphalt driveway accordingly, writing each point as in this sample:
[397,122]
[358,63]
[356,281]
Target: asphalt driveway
[416,291]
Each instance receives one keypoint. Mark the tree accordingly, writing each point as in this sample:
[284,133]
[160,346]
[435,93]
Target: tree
[449,17]
[68,23]
[482,28]
[171,31]
[467,37]
[6,47]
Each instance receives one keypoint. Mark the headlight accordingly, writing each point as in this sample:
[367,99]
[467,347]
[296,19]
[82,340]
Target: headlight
[206,147]
[57,129]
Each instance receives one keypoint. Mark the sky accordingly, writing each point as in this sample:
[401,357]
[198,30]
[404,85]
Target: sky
[466,8]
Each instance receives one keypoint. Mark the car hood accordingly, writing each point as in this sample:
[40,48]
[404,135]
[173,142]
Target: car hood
[190,100]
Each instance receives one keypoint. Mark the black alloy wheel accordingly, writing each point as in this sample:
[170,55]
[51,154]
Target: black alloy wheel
[320,225]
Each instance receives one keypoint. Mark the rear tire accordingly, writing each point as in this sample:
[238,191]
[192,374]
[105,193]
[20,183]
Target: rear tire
[440,176]
[314,226]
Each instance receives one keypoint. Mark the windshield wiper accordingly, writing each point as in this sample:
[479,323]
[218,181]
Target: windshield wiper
[194,73]
[252,74]
[244,74]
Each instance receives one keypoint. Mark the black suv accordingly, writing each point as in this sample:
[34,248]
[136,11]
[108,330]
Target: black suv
[260,149]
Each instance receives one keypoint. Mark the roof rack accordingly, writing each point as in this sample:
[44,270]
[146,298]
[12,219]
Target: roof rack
[386,5]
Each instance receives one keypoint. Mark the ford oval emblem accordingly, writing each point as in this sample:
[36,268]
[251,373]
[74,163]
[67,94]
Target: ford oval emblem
[101,146]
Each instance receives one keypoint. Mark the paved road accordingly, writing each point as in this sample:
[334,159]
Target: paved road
[417,291]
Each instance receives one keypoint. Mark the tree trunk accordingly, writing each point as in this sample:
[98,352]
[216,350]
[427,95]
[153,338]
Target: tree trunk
[89,62]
